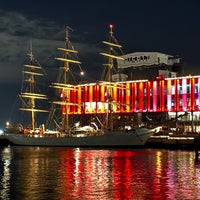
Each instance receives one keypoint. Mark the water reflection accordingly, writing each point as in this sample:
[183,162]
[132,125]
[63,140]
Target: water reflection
[61,173]
[5,172]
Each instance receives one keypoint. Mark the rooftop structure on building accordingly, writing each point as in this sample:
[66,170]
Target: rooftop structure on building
[140,65]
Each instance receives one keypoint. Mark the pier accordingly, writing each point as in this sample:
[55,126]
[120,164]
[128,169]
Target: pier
[171,141]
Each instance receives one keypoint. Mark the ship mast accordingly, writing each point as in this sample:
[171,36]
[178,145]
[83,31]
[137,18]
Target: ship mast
[111,56]
[64,83]
[29,95]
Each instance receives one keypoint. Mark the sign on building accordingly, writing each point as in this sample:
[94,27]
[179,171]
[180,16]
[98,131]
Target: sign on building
[142,59]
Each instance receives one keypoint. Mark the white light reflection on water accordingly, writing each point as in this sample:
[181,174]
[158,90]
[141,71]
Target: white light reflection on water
[87,174]
[5,173]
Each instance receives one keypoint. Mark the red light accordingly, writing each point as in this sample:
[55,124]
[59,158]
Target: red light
[111,26]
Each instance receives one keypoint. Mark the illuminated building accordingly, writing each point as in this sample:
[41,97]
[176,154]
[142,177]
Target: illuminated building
[164,96]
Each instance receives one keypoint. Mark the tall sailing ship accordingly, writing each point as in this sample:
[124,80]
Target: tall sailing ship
[82,136]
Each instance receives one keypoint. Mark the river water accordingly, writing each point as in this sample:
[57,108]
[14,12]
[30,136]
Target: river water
[40,173]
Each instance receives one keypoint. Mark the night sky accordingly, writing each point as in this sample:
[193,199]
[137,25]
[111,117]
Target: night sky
[171,27]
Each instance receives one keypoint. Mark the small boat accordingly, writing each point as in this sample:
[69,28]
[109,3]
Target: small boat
[79,136]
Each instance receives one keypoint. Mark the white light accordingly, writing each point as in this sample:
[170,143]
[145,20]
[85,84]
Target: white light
[82,73]
[1,132]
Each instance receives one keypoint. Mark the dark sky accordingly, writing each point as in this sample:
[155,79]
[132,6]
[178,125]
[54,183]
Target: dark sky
[171,27]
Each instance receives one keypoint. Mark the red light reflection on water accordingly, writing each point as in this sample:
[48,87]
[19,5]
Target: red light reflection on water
[109,174]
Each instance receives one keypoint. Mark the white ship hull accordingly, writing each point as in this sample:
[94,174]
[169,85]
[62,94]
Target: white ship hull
[136,138]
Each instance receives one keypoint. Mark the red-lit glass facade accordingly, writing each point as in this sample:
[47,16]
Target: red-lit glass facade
[178,94]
